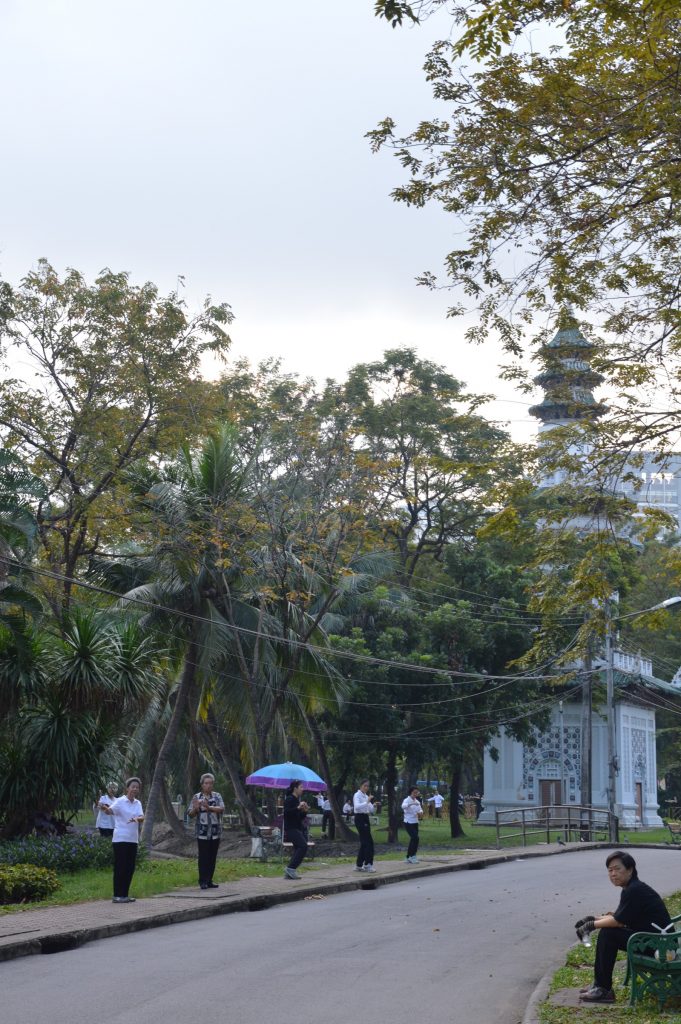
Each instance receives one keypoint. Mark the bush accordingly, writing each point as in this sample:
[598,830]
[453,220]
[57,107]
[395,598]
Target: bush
[62,853]
[21,883]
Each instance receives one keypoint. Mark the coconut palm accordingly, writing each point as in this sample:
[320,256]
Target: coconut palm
[198,519]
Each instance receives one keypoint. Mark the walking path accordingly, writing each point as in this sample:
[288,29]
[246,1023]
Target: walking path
[54,929]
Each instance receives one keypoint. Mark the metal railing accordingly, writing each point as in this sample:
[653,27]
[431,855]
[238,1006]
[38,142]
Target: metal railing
[554,822]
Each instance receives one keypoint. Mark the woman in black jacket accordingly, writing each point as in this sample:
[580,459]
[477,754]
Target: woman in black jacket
[295,811]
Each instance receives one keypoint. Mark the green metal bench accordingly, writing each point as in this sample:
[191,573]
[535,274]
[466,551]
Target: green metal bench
[654,966]
[674,831]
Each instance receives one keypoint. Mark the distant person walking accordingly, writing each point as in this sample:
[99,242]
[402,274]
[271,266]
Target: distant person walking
[103,821]
[347,809]
[328,820]
[363,806]
[295,812]
[436,801]
[413,812]
[207,808]
[127,814]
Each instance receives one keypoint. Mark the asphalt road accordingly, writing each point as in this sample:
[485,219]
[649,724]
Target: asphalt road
[452,949]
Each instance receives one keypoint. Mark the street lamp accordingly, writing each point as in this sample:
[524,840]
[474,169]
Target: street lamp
[670,602]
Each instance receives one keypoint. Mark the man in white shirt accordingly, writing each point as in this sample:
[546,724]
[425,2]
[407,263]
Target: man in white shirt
[413,812]
[437,800]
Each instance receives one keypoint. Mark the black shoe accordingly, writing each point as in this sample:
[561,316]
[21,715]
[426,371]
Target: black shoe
[203,885]
[598,995]
[212,885]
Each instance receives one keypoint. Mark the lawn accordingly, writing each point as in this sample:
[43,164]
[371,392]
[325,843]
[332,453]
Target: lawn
[150,879]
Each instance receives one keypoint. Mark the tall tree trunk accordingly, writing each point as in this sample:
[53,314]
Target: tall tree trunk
[342,830]
[390,789]
[455,826]
[154,798]
[219,746]
[169,813]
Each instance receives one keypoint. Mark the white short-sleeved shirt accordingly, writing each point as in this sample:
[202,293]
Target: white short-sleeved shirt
[125,831]
[103,819]
[411,809]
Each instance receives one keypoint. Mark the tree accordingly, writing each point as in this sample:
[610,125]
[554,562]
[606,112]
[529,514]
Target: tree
[436,459]
[113,376]
[197,519]
[561,168]
[19,491]
[69,698]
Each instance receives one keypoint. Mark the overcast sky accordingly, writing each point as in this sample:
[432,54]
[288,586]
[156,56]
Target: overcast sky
[224,142]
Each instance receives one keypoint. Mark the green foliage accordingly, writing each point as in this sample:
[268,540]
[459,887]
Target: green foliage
[22,883]
[67,853]
[559,161]
[113,376]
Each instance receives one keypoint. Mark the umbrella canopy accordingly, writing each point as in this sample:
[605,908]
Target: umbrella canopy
[279,776]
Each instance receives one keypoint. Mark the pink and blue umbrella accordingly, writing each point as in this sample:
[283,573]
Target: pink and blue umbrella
[279,776]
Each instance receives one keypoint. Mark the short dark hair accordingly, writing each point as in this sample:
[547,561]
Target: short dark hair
[292,785]
[412,788]
[627,861]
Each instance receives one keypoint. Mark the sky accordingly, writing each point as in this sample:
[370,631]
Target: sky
[223,143]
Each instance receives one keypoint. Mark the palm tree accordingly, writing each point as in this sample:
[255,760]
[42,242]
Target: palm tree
[74,693]
[198,519]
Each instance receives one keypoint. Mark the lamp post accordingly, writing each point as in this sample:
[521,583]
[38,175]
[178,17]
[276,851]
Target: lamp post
[670,602]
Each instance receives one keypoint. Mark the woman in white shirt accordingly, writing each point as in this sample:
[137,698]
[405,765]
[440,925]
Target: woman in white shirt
[102,821]
[127,814]
[413,812]
[362,807]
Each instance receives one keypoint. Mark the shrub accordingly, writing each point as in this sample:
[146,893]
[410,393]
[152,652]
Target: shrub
[61,853]
[21,883]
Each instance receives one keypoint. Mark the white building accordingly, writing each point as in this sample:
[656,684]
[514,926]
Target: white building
[549,771]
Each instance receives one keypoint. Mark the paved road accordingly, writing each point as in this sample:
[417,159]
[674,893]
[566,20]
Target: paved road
[462,947]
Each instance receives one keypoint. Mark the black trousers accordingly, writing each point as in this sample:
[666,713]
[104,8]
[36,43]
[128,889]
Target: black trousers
[329,823]
[413,831]
[125,855]
[609,942]
[208,851]
[106,832]
[296,837]
[365,854]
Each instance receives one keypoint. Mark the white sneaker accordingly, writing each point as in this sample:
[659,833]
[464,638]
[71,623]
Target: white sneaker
[413,860]
[370,869]
[358,868]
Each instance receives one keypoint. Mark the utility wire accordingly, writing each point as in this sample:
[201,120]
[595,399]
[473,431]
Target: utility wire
[280,641]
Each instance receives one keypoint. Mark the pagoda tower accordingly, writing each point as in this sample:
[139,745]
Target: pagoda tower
[568,380]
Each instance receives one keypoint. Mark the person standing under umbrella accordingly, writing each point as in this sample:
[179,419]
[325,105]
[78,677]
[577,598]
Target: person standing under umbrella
[362,807]
[207,807]
[295,812]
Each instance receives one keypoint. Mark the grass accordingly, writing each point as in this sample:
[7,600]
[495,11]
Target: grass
[156,877]
[150,879]
[578,971]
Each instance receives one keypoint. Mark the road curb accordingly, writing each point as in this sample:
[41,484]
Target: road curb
[62,941]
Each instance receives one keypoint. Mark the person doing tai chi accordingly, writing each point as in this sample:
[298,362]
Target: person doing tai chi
[127,815]
[413,812]
[207,807]
[295,812]
[363,806]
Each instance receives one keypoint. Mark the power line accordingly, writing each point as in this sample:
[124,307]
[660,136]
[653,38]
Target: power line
[277,640]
